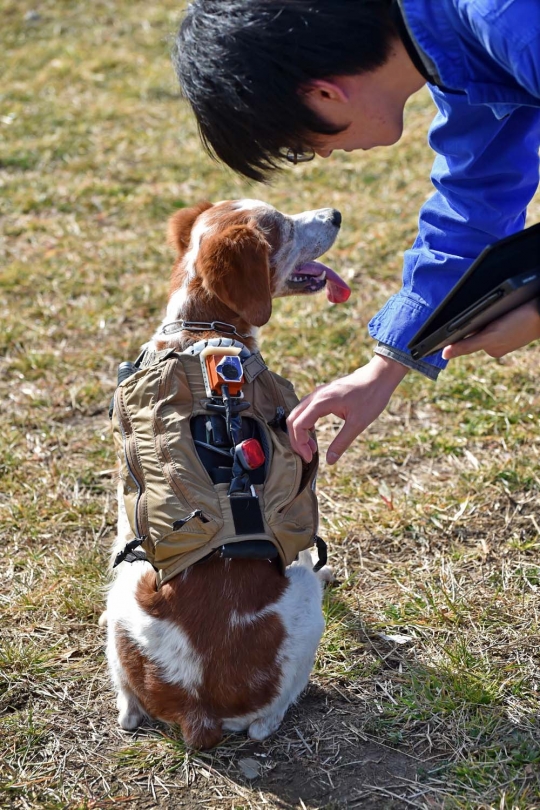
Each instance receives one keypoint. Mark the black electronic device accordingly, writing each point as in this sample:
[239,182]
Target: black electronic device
[504,276]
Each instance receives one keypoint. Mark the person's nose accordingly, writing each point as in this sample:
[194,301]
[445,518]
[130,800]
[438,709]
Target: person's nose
[323,153]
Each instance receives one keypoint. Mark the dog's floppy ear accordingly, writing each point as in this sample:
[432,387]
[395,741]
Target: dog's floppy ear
[233,265]
[181,223]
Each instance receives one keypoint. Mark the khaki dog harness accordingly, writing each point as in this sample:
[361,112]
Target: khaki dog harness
[206,462]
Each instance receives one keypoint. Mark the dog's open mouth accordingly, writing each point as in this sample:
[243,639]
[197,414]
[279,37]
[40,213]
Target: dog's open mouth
[311,277]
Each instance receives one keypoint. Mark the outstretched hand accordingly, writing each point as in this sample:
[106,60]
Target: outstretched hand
[514,330]
[358,399]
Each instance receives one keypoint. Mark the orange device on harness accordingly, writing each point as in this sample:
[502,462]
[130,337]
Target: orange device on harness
[224,370]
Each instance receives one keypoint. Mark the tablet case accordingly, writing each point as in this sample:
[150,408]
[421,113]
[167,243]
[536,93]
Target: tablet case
[504,276]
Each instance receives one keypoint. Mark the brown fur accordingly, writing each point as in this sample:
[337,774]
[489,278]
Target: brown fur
[244,651]
[234,267]
[170,703]
[180,226]
[233,279]
[216,604]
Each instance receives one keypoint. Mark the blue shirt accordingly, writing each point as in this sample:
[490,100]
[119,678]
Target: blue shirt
[487,137]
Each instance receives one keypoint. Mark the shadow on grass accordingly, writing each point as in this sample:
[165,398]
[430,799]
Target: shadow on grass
[376,728]
[402,734]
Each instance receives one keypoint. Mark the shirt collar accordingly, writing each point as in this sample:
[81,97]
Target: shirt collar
[420,60]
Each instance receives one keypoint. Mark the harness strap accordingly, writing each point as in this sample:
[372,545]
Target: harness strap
[244,549]
[129,554]
[322,552]
[249,549]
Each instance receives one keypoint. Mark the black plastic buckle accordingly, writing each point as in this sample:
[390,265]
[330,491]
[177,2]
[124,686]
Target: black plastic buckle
[128,552]
[279,420]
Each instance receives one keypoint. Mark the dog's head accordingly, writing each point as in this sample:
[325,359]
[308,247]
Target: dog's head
[234,257]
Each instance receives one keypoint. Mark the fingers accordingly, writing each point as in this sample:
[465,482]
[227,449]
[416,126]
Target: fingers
[357,399]
[301,421]
[343,441]
[516,329]
[512,331]
[467,346]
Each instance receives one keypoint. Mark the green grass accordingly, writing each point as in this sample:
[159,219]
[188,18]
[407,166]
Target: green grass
[429,668]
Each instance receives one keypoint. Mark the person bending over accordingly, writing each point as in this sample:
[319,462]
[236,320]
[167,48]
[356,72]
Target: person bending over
[282,80]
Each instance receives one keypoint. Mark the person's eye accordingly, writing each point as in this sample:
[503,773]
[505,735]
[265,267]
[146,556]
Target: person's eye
[300,155]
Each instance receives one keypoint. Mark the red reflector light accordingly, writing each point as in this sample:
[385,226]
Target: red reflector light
[250,454]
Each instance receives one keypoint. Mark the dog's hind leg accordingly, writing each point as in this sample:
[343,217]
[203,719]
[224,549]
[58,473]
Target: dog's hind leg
[300,611]
[295,679]
[130,712]
[265,726]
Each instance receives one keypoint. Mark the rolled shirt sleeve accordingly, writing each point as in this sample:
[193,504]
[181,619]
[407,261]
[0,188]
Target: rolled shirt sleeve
[485,173]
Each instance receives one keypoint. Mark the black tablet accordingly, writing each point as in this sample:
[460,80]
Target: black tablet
[504,276]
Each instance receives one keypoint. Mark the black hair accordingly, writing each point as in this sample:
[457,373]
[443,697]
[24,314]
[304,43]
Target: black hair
[241,64]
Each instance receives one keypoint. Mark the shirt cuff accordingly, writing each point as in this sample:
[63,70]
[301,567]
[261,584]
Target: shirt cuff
[396,324]
[406,360]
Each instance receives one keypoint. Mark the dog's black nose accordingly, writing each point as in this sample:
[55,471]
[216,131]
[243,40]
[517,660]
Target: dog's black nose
[336,218]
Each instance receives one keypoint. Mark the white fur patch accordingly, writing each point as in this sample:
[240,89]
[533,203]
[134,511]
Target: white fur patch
[299,609]
[249,205]
[176,304]
[160,640]
[130,712]
[245,619]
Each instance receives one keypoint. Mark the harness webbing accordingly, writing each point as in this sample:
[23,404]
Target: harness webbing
[205,470]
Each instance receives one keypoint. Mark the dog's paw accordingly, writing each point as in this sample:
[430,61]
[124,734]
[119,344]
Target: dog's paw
[102,621]
[262,728]
[130,713]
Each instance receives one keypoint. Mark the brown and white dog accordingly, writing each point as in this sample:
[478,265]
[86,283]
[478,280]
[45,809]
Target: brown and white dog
[227,645]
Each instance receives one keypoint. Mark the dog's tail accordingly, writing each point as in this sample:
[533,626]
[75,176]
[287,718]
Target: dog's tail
[200,730]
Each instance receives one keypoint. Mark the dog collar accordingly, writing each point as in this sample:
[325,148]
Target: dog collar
[200,326]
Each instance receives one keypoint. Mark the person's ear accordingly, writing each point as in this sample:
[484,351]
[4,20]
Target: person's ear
[322,91]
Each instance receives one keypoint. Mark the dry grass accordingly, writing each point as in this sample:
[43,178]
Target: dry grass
[425,692]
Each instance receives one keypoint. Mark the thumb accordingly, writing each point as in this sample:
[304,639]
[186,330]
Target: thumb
[342,442]
[465,346]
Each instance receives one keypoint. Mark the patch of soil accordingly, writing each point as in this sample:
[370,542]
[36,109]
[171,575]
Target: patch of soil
[320,758]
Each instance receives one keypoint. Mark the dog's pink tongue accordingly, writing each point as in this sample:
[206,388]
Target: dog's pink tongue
[337,291]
